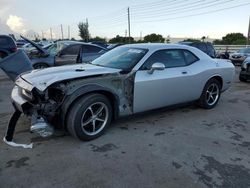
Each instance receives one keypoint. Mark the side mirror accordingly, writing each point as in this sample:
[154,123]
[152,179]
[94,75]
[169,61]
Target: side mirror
[156,66]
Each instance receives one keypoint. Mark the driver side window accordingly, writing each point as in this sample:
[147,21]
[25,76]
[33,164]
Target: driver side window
[170,58]
[71,50]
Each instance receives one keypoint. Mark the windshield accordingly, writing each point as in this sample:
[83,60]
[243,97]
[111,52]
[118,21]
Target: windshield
[55,48]
[244,50]
[124,58]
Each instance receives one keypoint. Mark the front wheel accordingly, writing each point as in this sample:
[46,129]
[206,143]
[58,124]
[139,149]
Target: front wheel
[89,116]
[211,94]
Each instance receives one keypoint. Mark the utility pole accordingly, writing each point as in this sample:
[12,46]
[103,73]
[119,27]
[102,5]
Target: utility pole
[140,35]
[68,32]
[248,34]
[62,31]
[128,25]
[42,34]
[51,34]
[125,35]
[87,22]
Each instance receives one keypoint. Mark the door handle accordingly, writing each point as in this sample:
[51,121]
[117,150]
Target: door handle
[184,72]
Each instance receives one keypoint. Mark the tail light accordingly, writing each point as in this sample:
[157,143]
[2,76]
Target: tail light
[13,49]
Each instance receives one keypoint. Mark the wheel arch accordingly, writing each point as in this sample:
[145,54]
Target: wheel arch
[36,63]
[85,90]
[218,78]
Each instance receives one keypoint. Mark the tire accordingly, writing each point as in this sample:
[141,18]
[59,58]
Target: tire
[3,55]
[210,94]
[81,120]
[40,66]
[242,79]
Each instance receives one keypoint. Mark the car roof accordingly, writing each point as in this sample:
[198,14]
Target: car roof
[186,42]
[69,42]
[5,36]
[153,46]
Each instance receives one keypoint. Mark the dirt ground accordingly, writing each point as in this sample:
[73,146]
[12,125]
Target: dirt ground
[183,147]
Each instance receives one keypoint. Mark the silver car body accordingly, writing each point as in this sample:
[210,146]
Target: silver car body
[135,91]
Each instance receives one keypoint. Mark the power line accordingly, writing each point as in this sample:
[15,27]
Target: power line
[187,9]
[197,14]
[164,4]
[157,3]
[109,14]
[176,8]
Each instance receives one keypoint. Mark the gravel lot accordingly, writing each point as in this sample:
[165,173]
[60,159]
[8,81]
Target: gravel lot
[183,147]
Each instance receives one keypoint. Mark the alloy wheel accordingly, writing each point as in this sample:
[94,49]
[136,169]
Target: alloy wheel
[212,94]
[94,118]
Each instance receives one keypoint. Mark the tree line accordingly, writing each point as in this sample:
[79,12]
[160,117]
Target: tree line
[229,39]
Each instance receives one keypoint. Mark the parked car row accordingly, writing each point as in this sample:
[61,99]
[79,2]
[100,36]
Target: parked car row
[240,56]
[71,52]
[245,70]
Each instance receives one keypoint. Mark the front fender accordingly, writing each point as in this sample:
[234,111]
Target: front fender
[83,91]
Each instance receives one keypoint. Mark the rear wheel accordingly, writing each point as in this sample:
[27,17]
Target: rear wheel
[211,94]
[40,66]
[89,116]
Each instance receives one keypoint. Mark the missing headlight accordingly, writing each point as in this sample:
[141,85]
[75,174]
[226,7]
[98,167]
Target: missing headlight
[27,94]
[57,93]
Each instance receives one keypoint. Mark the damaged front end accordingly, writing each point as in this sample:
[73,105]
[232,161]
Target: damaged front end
[47,101]
[40,107]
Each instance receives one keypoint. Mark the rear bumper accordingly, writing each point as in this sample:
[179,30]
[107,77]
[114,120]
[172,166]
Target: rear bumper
[18,101]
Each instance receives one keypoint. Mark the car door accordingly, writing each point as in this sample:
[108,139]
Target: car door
[175,84]
[91,52]
[68,55]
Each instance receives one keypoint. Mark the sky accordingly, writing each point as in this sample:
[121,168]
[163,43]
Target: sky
[174,18]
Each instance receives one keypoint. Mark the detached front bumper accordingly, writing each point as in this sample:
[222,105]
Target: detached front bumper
[38,124]
[18,101]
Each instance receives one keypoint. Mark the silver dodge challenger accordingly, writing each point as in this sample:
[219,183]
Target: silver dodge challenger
[84,98]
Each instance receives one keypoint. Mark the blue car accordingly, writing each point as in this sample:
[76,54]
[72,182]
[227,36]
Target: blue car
[64,53]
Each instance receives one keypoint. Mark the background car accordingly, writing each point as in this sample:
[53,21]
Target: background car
[7,46]
[71,52]
[129,79]
[206,47]
[112,46]
[99,43]
[20,43]
[64,53]
[245,70]
[240,56]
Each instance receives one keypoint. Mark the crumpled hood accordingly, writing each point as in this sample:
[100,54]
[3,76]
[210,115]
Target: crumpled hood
[43,78]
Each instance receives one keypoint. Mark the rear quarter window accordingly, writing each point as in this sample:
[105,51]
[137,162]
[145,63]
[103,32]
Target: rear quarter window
[190,57]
